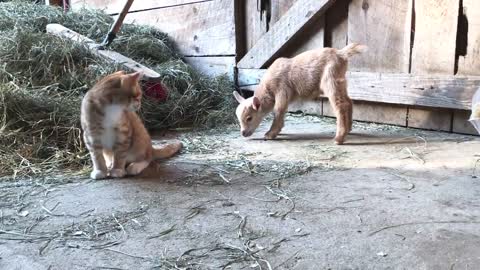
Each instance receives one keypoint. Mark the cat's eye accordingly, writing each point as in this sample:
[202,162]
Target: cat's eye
[249,119]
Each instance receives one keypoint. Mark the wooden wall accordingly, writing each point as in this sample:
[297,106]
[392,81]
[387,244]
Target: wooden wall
[417,72]
[420,39]
[204,30]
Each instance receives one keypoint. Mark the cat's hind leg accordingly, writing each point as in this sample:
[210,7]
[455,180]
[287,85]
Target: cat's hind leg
[136,168]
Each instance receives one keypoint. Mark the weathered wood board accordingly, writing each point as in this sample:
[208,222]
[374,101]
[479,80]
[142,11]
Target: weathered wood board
[435,35]
[297,18]
[434,53]
[200,29]
[439,91]
[431,118]
[213,66]
[115,6]
[384,26]
[311,38]
[373,112]
[470,63]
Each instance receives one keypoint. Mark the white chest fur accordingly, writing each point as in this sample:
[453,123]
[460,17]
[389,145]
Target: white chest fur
[113,114]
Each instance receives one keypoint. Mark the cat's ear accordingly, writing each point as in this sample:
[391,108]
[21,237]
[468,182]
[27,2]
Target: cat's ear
[131,79]
[136,76]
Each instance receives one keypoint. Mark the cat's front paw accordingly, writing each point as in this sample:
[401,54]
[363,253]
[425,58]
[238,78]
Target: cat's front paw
[98,174]
[117,173]
[271,135]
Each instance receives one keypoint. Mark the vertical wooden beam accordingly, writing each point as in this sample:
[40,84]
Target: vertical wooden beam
[434,53]
[435,35]
[384,26]
[295,20]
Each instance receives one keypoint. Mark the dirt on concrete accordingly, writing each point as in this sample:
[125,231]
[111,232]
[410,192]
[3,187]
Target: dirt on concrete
[390,198]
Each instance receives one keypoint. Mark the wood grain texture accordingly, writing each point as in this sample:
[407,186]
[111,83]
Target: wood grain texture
[373,112]
[115,6]
[470,63]
[435,35]
[213,66]
[384,26]
[201,29]
[296,18]
[430,118]
[311,38]
[440,91]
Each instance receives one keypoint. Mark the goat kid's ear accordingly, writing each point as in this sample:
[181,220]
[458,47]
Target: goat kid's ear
[256,103]
[237,96]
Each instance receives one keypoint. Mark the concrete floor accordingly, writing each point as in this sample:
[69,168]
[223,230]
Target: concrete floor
[391,198]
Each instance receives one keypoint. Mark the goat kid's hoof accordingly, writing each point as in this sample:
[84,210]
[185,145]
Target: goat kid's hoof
[338,141]
[270,136]
[98,174]
[117,173]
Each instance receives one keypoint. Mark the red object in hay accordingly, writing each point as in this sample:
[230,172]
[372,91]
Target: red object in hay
[155,90]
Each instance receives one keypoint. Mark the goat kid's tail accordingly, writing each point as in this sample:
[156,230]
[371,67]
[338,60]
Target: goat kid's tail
[351,50]
[166,150]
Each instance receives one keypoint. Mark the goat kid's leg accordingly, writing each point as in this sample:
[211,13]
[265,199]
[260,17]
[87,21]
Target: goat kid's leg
[281,106]
[343,109]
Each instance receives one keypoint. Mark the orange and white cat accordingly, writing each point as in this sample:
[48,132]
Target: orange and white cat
[114,134]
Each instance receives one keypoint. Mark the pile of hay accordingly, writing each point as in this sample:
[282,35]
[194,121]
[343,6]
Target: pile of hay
[43,79]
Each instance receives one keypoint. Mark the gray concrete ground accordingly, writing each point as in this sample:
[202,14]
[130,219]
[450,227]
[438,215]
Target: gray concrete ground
[391,198]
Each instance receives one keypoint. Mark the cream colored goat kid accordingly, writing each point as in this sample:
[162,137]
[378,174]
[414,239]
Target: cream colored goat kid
[307,76]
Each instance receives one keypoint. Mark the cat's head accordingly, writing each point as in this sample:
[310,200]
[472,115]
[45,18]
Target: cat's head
[131,85]
[124,89]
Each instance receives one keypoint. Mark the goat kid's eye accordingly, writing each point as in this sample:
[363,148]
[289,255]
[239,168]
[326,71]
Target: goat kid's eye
[249,119]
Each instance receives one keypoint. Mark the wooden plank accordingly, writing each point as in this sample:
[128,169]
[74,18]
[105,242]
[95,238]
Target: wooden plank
[384,26]
[254,28]
[430,118]
[61,31]
[336,25]
[373,112]
[435,35]
[115,6]
[461,123]
[296,19]
[441,91]
[201,29]
[422,90]
[470,63]
[213,66]
[309,39]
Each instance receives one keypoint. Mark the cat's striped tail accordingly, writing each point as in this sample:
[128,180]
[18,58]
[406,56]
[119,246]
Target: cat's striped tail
[167,150]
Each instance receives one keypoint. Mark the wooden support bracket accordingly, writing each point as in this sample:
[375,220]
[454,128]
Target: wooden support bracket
[296,18]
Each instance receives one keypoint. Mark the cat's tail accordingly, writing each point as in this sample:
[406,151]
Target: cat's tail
[167,150]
